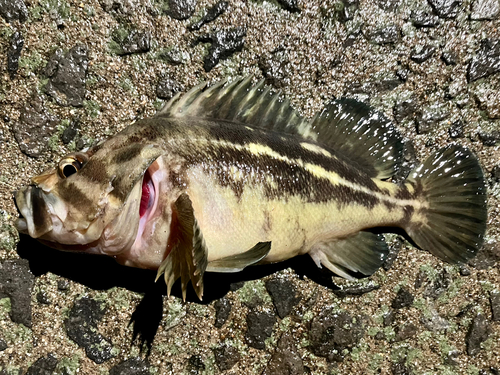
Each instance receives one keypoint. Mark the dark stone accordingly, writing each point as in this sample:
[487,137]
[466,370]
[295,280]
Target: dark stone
[16,282]
[495,306]
[419,55]
[135,42]
[424,19]
[167,88]
[333,332]
[181,9]
[404,109]
[212,13]
[349,9]
[43,366]
[485,10]
[132,366]
[451,358]
[429,118]
[69,133]
[420,279]
[276,68]
[290,5]
[195,365]
[405,332]
[403,299]
[222,311]
[486,62]
[495,173]
[63,285]
[385,35]
[489,102]
[486,257]
[285,360]
[464,270]
[433,321]
[119,7]
[172,56]
[351,39]
[42,298]
[233,287]
[223,44]
[356,290]
[456,130]
[67,74]
[12,10]
[479,332]
[388,5]
[259,328]
[445,8]
[81,327]
[226,357]
[34,129]
[389,318]
[403,73]
[14,52]
[394,249]
[283,294]
[438,286]
[400,368]
[449,58]
[3,345]
[489,139]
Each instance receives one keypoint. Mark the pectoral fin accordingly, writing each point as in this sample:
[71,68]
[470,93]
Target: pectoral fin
[187,257]
[364,253]
[236,263]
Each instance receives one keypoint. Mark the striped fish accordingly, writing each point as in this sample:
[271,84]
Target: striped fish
[229,176]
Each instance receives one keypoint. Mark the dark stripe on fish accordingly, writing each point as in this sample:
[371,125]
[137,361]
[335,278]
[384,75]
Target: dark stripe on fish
[70,193]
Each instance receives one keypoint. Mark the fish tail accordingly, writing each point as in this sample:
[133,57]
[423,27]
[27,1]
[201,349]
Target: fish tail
[450,220]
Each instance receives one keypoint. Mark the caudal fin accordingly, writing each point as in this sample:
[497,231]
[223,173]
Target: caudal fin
[453,222]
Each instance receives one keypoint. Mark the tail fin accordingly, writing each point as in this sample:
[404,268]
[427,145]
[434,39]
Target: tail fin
[452,226]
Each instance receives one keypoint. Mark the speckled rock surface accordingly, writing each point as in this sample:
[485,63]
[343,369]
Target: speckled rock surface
[431,66]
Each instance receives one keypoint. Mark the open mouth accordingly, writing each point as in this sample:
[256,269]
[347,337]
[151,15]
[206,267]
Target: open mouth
[148,195]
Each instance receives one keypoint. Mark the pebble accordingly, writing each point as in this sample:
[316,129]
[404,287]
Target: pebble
[400,368]
[485,10]
[222,311]
[135,42]
[489,138]
[424,19]
[67,74]
[3,345]
[167,88]
[486,62]
[495,306]
[495,173]
[404,109]
[62,285]
[81,327]
[449,58]
[132,366]
[429,118]
[419,55]
[195,365]
[286,360]
[34,128]
[403,299]
[276,68]
[479,332]
[43,366]
[290,5]
[259,328]
[226,356]
[486,257]
[16,283]
[446,8]
[356,290]
[440,285]
[348,10]
[211,14]
[405,331]
[283,294]
[394,248]
[12,10]
[332,332]
[388,5]
[223,44]
[181,9]
[434,322]
[42,298]
[14,52]
[385,35]
[489,101]
[121,7]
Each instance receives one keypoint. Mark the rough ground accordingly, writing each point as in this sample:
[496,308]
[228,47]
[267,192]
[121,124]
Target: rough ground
[74,72]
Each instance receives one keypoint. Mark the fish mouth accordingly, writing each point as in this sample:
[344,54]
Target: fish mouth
[35,218]
[149,199]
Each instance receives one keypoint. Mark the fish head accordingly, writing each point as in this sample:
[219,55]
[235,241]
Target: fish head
[90,202]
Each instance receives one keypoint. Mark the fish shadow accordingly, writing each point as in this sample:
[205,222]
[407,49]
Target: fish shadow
[103,272]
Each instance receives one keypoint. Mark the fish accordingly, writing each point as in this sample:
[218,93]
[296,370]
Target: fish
[231,175]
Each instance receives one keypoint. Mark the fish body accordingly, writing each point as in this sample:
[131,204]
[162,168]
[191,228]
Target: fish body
[229,176]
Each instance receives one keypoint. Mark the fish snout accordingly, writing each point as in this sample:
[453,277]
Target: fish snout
[35,215]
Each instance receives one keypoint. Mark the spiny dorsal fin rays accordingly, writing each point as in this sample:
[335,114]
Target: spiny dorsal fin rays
[188,257]
[238,101]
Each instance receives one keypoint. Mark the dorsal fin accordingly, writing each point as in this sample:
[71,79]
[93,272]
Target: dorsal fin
[360,133]
[237,101]
[351,128]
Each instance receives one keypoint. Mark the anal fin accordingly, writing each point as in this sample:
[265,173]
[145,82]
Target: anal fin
[236,263]
[188,254]
[364,253]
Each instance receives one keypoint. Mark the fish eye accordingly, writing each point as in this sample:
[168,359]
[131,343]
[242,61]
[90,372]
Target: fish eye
[71,164]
